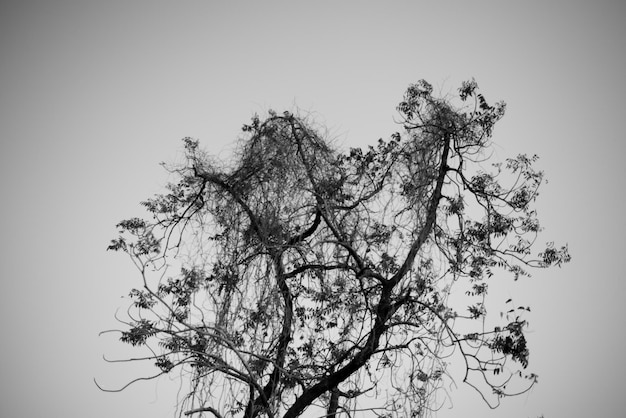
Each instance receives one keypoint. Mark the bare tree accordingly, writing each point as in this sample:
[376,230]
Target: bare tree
[299,278]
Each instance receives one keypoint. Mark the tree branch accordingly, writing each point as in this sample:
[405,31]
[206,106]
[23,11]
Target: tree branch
[431,216]
[204,409]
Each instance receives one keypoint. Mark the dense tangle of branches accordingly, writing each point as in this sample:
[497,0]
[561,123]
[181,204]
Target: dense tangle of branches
[299,278]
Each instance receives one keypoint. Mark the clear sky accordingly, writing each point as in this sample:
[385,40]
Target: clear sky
[94,94]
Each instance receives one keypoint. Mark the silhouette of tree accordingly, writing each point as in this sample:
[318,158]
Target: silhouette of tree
[296,277]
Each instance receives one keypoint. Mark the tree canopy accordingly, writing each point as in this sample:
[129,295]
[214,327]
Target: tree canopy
[296,277]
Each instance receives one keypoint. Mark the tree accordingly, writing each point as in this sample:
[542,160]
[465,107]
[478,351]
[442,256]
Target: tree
[297,277]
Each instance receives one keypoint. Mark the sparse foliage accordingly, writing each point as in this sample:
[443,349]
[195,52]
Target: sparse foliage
[300,278]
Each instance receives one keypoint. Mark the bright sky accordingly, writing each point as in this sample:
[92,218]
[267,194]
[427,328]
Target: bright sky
[94,94]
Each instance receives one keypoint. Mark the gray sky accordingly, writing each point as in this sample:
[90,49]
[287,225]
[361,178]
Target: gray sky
[94,94]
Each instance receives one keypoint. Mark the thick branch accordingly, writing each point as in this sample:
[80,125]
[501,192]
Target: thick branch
[252,408]
[301,237]
[333,404]
[431,216]
[384,309]
[383,312]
